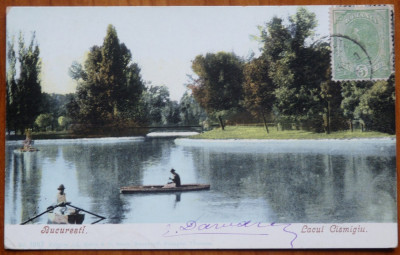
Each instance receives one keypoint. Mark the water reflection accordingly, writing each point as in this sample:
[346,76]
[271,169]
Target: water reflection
[307,187]
[270,187]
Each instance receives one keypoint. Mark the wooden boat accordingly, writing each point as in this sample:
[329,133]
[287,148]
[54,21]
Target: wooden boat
[65,215]
[161,188]
[72,217]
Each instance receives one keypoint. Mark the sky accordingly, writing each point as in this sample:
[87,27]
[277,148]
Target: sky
[162,40]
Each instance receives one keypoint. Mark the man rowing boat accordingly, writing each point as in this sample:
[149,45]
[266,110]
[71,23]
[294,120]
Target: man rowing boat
[175,181]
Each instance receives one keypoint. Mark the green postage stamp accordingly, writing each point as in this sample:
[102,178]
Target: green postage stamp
[361,42]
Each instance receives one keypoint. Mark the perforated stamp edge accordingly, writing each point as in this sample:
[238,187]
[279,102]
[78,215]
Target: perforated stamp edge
[390,35]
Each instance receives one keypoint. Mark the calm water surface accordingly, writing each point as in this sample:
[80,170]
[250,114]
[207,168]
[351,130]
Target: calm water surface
[257,182]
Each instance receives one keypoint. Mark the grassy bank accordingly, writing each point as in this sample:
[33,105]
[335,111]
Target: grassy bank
[246,132]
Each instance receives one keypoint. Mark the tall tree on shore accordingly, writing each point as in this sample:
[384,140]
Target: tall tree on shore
[23,94]
[11,88]
[258,89]
[297,68]
[332,113]
[109,84]
[218,88]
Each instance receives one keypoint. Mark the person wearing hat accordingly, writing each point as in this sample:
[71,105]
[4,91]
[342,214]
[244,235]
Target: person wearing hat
[176,179]
[61,198]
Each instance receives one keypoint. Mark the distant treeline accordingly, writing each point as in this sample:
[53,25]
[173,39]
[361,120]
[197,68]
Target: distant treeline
[288,84]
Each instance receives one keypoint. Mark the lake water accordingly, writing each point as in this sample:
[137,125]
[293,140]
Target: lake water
[269,181]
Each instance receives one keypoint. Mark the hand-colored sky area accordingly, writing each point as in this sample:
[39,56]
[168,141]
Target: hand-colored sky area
[163,40]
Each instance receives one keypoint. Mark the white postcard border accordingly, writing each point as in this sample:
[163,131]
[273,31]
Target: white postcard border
[202,236]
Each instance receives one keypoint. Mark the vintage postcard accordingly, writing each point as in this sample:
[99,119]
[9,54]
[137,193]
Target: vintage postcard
[262,127]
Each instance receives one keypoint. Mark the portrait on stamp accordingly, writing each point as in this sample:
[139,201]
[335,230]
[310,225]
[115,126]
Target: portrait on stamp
[362,45]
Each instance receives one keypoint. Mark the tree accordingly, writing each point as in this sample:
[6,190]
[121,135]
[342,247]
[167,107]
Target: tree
[296,67]
[377,107]
[77,72]
[276,39]
[170,114]
[109,84]
[11,87]
[191,112]
[218,88]
[43,121]
[63,122]
[352,92]
[24,93]
[91,95]
[56,105]
[332,113]
[29,86]
[156,100]
[258,89]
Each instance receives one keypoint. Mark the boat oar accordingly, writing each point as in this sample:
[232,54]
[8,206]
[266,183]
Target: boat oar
[51,208]
[101,217]
[97,221]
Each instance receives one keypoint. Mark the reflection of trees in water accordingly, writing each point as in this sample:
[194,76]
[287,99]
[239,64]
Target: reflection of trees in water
[362,189]
[12,175]
[383,184]
[27,167]
[282,179]
[383,180]
[290,182]
[297,187]
[103,168]
[306,187]
[49,152]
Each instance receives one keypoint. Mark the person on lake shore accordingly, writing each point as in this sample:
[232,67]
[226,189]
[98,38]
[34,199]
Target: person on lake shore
[175,181]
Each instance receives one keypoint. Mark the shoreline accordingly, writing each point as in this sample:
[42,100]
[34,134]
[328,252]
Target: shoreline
[358,146]
[181,137]
[80,140]
[288,139]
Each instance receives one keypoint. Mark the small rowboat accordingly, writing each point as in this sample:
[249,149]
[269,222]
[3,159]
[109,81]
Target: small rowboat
[161,188]
[65,215]
[55,218]
[71,217]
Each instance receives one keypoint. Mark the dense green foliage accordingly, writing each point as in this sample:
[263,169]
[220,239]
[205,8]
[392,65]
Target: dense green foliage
[297,68]
[258,89]
[376,107]
[56,106]
[11,87]
[109,85]
[24,94]
[191,113]
[43,121]
[290,84]
[218,88]
[160,110]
